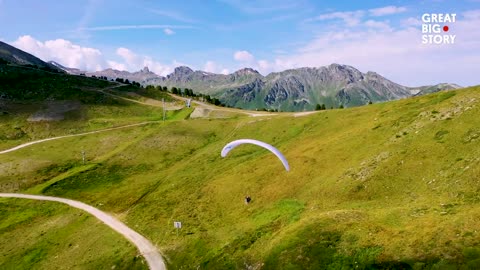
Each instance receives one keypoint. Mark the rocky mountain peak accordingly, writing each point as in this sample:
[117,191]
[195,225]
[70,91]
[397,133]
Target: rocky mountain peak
[344,73]
[246,71]
[373,74]
[182,71]
[343,69]
[145,70]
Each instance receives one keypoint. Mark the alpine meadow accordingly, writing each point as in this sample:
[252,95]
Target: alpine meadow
[385,185]
[228,134]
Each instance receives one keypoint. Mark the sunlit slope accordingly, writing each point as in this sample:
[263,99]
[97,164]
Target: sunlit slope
[48,235]
[385,185]
[36,104]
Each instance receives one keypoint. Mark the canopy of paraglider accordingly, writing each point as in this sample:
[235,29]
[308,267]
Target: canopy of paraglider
[267,146]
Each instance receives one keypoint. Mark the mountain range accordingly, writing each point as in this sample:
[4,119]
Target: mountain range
[290,90]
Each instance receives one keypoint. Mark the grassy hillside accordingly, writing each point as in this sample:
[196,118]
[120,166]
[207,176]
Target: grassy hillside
[10,54]
[45,235]
[389,185]
[29,84]
[74,104]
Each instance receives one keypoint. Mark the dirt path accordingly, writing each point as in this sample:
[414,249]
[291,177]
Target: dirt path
[147,102]
[205,107]
[73,135]
[203,110]
[210,107]
[300,114]
[91,132]
[146,248]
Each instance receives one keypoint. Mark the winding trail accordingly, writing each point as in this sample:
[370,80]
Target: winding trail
[223,109]
[146,248]
[74,135]
[201,104]
[148,101]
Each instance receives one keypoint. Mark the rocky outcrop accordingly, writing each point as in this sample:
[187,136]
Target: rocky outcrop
[285,88]
[112,74]
[243,94]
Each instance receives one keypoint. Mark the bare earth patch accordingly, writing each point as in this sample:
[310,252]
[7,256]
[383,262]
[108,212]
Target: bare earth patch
[54,111]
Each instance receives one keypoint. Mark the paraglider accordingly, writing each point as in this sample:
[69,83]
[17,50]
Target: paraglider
[267,146]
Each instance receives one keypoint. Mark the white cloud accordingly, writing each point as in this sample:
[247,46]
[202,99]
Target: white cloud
[63,52]
[89,59]
[388,10]
[278,51]
[411,22]
[225,71]
[128,56]
[246,58]
[381,26]
[264,66]
[210,66]
[116,65]
[135,62]
[168,31]
[134,27]
[472,14]
[214,67]
[243,56]
[172,15]
[351,18]
[263,6]
[398,54]
[157,67]
[354,18]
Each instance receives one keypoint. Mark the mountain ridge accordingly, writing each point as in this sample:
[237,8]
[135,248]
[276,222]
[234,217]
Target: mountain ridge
[12,55]
[291,90]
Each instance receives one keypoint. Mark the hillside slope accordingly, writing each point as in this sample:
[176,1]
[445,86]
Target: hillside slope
[10,54]
[389,185]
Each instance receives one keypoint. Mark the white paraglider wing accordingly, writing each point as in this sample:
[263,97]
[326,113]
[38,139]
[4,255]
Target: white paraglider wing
[267,146]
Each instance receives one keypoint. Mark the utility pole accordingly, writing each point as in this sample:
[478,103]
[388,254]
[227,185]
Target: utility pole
[83,156]
[163,100]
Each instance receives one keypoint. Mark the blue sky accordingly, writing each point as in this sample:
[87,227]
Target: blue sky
[269,35]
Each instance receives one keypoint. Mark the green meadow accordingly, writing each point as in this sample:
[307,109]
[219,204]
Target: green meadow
[388,185]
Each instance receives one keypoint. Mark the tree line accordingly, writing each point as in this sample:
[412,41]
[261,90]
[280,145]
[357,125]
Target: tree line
[322,107]
[187,92]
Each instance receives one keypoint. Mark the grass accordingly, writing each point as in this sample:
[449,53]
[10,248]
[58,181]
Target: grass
[389,185]
[15,128]
[25,84]
[142,92]
[93,110]
[46,235]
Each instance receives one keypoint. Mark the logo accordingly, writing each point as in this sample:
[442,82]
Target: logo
[435,28]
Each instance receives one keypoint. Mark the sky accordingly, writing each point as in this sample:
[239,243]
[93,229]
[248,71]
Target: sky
[222,36]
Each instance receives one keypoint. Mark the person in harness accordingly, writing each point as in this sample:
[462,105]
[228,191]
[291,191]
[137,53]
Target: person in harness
[248,199]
